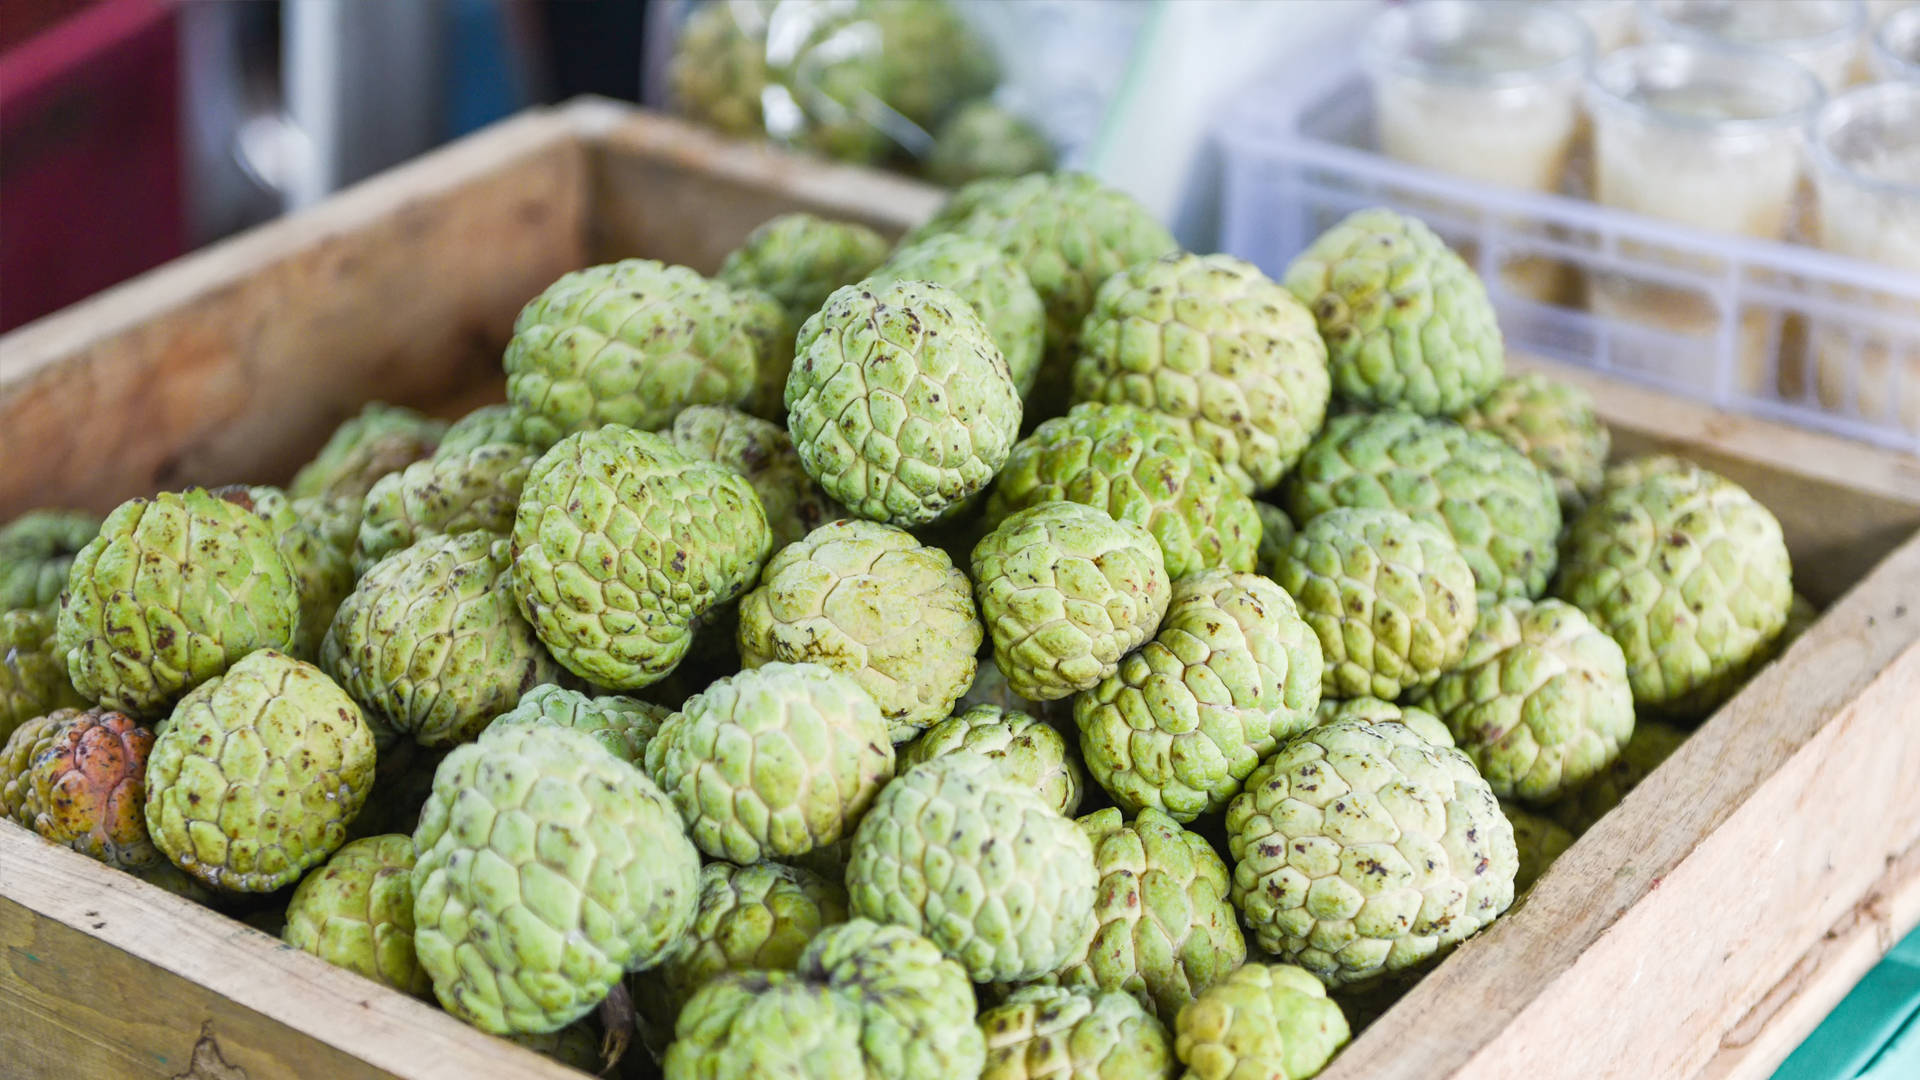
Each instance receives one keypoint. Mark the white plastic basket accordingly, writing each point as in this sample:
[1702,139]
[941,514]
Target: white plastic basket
[1793,333]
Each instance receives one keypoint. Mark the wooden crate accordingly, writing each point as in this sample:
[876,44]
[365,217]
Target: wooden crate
[1699,931]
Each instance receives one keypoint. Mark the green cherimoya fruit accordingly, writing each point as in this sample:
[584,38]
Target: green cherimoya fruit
[1045,1033]
[430,643]
[173,590]
[1500,509]
[1362,850]
[545,868]
[17,800]
[1540,701]
[1555,425]
[378,440]
[982,139]
[356,912]
[992,283]
[1391,599]
[900,404]
[257,774]
[1418,720]
[872,602]
[88,789]
[773,762]
[959,851]
[33,671]
[1166,930]
[1211,343]
[800,259]
[36,553]
[719,66]
[764,321]
[989,687]
[931,57]
[305,534]
[485,426]
[1276,536]
[1027,750]
[1539,840]
[763,453]
[629,343]
[474,491]
[1407,323]
[1137,467]
[621,542]
[1652,743]
[1232,673]
[1264,1022]
[623,725]
[1066,591]
[867,1001]
[1690,574]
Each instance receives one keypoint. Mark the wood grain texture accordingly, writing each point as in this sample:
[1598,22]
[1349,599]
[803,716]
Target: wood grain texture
[104,976]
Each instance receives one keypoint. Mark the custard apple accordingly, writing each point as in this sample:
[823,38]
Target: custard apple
[982,139]
[764,454]
[356,912]
[992,283]
[88,789]
[173,590]
[1045,1033]
[378,440]
[1136,466]
[36,554]
[1418,720]
[1276,536]
[623,725]
[989,687]
[474,491]
[1407,323]
[17,800]
[1232,673]
[322,566]
[257,774]
[1026,750]
[719,68]
[1209,342]
[1362,850]
[1555,425]
[1264,1022]
[1538,839]
[1652,743]
[1391,599]
[33,670]
[800,259]
[485,426]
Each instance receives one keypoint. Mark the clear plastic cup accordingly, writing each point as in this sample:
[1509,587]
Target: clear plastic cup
[1610,22]
[1821,35]
[1896,46]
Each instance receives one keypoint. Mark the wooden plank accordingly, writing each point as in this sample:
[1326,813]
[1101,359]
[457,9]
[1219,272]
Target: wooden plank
[234,364]
[1672,917]
[104,976]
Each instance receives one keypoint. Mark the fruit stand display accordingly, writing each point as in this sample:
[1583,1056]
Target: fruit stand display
[1696,928]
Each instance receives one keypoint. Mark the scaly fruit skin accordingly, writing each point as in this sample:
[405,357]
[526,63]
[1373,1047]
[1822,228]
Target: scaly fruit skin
[621,542]
[1539,840]
[764,321]
[544,868]
[1028,751]
[356,912]
[17,800]
[36,553]
[870,601]
[1500,509]
[1044,1033]
[1652,743]
[1407,323]
[380,439]
[1264,1022]
[485,426]
[474,491]
[900,404]
[979,863]
[719,66]
[989,687]
[1391,598]
[33,670]
[629,343]
[1361,850]
[1690,574]
[258,773]
[1276,536]
[323,570]
[763,453]
[429,641]
[1555,425]
[992,283]
[1540,701]
[1418,720]
[1211,343]
[867,1001]
[1066,591]
[1137,467]
[982,139]
[90,791]
[1166,929]
[800,259]
[623,725]
[1233,672]
[773,762]
[173,590]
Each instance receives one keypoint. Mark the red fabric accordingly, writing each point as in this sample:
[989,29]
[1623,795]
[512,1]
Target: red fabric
[90,161]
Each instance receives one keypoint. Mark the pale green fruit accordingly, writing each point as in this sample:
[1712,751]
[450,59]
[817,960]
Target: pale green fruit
[623,725]
[36,553]
[356,912]
[978,862]
[474,491]
[1266,1021]
[1231,674]
[1028,751]
[1652,743]
[800,259]
[1044,1033]
[1418,720]
[1538,839]
[378,440]
[485,426]
[1407,323]
[17,800]
[982,139]
[993,283]
[305,534]
[763,453]
[989,687]
[1555,425]
[33,671]
[719,66]
[1276,536]
[1361,850]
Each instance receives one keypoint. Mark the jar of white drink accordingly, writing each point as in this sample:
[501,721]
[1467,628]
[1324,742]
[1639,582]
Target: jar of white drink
[1488,91]
[1821,35]
[1896,46]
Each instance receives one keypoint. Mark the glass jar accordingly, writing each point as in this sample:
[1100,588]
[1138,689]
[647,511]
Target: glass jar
[1896,46]
[1610,22]
[1821,35]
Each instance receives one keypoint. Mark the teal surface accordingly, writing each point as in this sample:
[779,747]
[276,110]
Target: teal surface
[1874,1034]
